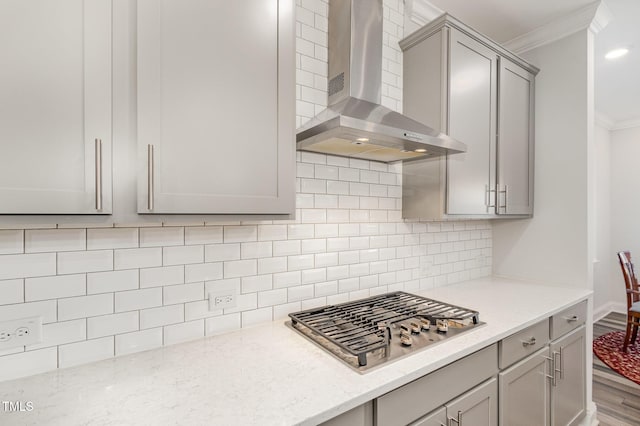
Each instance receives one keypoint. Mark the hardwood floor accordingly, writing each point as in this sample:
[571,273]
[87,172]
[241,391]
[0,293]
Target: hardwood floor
[617,398]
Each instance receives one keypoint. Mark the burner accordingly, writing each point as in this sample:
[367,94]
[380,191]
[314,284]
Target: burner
[368,332]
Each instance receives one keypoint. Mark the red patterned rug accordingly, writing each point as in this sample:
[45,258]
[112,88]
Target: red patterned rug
[608,348]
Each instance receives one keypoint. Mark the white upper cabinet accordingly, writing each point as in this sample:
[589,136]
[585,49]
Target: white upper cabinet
[467,86]
[55,107]
[216,106]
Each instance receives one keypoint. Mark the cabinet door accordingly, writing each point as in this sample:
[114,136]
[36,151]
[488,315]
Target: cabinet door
[436,418]
[524,392]
[55,107]
[568,396]
[515,140]
[472,120]
[216,106]
[359,416]
[479,406]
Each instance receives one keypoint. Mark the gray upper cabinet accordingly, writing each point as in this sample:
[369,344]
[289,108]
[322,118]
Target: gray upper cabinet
[467,86]
[55,107]
[216,107]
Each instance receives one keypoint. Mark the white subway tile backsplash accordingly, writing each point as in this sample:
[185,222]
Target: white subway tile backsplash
[199,310]
[337,187]
[46,240]
[183,293]
[45,309]
[55,287]
[160,276]
[287,279]
[286,248]
[181,255]
[74,262]
[138,258]
[314,246]
[106,325]
[283,311]
[241,268]
[299,262]
[272,297]
[257,283]
[84,352]
[240,234]
[112,238]
[326,259]
[11,241]
[164,236]
[183,332]
[270,265]
[221,252]
[202,272]
[85,306]
[272,232]
[27,265]
[257,316]
[60,333]
[138,299]
[28,363]
[11,291]
[222,324]
[256,250]
[299,293]
[165,315]
[138,341]
[202,235]
[105,282]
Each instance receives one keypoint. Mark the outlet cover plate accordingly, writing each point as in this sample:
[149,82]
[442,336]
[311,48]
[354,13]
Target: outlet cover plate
[20,332]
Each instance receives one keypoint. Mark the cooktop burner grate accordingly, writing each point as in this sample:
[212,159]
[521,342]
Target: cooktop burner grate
[354,331]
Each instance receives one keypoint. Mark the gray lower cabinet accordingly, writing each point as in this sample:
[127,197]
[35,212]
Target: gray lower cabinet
[478,407]
[359,416]
[436,418]
[524,391]
[568,397]
[216,106]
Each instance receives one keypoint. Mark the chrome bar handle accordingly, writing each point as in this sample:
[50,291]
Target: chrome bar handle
[530,342]
[572,318]
[150,164]
[505,192]
[458,420]
[98,170]
[487,198]
[552,369]
[561,363]
[557,364]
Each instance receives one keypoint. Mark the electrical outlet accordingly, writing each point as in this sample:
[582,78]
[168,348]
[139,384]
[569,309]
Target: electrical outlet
[20,332]
[222,299]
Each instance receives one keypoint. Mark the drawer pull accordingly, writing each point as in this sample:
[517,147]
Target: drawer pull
[458,421]
[552,369]
[572,318]
[530,342]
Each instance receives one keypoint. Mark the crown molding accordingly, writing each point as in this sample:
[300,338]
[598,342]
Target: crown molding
[594,17]
[421,12]
[626,124]
[603,120]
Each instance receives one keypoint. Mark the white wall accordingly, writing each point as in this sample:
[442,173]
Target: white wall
[553,247]
[602,281]
[112,291]
[625,204]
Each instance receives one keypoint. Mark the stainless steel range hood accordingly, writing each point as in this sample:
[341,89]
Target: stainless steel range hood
[355,124]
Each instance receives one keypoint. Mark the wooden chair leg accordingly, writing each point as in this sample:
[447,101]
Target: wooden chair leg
[634,334]
[627,336]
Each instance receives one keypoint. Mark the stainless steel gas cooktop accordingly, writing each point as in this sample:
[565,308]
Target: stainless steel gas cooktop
[369,332]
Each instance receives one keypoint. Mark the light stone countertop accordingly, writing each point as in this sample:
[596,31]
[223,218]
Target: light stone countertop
[264,375]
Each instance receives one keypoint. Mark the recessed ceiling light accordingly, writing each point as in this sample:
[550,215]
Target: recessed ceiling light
[421,150]
[363,139]
[616,53]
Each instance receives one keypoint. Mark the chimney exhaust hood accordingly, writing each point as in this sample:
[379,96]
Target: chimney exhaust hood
[355,124]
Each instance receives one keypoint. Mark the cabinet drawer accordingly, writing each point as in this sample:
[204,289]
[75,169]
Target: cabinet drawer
[569,319]
[523,343]
[413,400]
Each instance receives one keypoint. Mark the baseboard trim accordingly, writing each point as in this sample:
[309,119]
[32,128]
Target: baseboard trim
[607,308]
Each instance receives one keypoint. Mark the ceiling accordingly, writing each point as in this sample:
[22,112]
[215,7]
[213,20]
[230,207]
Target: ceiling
[617,83]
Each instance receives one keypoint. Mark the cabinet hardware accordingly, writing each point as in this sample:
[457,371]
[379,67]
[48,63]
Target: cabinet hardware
[458,420]
[98,170]
[150,177]
[530,342]
[505,191]
[487,198]
[557,363]
[572,318]
[552,369]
